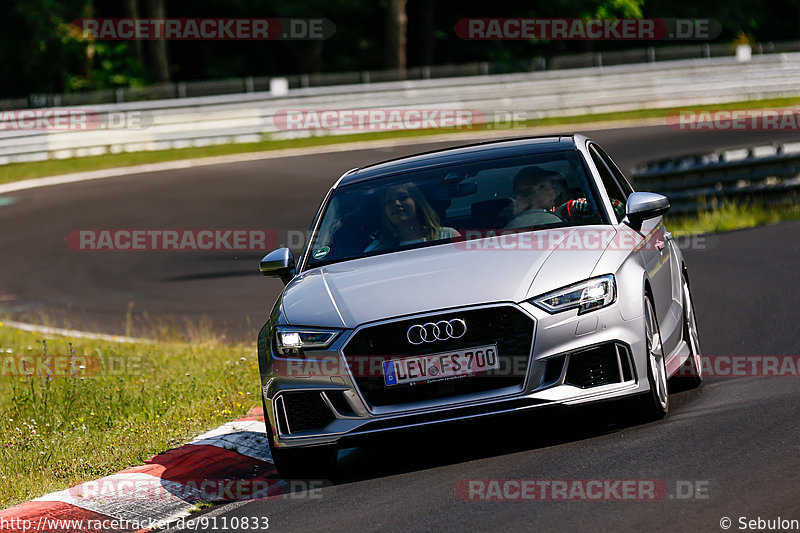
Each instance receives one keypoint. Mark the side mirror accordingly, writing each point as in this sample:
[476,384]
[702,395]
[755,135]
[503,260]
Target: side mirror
[278,263]
[643,206]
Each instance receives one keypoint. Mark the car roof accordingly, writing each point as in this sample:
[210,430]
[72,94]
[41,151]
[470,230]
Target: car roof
[460,154]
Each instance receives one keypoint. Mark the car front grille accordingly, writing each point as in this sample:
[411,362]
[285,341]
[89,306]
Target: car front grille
[504,325]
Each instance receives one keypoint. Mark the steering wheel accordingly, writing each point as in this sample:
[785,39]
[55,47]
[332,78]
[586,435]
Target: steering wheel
[534,217]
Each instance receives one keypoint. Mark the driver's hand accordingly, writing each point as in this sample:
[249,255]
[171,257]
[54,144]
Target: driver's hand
[579,208]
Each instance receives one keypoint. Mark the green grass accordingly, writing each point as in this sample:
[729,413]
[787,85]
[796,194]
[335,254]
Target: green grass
[146,399]
[20,171]
[729,216]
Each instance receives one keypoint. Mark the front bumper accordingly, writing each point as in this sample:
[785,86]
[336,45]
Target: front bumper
[573,360]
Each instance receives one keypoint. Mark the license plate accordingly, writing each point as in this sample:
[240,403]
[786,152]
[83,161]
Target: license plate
[445,365]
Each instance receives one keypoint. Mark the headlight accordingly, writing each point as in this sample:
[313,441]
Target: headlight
[292,341]
[585,296]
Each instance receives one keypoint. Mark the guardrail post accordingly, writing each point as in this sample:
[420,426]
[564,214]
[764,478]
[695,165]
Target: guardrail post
[484,68]
[426,72]
[249,84]
[598,59]
[37,100]
[651,54]
[278,87]
[304,80]
[181,89]
[707,50]
[743,52]
[119,95]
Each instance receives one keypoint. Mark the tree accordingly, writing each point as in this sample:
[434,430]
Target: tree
[158,48]
[396,31]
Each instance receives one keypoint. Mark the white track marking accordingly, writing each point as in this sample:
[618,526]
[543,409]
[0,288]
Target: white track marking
[72,332]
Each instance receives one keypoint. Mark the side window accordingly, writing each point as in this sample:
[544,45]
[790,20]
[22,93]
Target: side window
[626,187]
[615,193]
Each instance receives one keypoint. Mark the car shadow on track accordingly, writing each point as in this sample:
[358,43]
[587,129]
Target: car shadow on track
[454,443]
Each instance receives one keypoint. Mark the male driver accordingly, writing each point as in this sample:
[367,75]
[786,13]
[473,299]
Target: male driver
[539,188]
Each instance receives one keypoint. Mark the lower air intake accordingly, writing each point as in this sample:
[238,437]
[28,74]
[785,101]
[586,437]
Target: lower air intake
[302,411]
[599,365]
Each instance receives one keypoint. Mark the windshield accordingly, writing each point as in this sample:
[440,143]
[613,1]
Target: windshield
[464,201]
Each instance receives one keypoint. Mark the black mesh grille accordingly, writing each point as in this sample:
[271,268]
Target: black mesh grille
[509,328]
[593,367]
[306,410]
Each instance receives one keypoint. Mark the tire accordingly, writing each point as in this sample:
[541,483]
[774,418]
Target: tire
[315,462]
[655,404]
[690,375]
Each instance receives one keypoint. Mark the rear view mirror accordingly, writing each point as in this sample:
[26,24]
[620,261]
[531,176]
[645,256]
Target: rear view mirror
[463,189]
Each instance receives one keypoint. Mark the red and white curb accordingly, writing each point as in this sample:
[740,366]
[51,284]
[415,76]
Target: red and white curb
[230,463]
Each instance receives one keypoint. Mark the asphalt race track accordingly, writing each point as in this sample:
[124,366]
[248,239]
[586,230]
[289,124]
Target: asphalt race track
[737,439]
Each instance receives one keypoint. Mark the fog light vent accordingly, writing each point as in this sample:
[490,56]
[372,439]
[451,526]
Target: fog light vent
[305,411]
[596,366]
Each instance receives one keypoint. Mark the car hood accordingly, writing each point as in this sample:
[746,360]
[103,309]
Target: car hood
[444,276]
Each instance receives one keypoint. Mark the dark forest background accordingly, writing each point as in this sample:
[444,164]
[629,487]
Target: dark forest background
[38,53]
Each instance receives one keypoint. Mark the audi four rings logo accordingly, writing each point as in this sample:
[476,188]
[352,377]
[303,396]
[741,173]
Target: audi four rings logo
[436,331]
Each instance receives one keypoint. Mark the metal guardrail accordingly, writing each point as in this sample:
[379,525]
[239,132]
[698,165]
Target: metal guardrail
[254,84]
[249,117]
[766,175]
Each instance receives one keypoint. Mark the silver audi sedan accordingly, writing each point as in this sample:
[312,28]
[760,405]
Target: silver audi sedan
[469,282]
